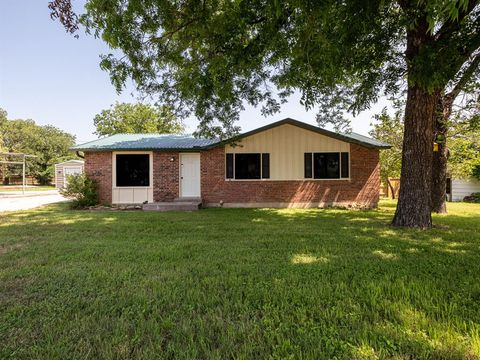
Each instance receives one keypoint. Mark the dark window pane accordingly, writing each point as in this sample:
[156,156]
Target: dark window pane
[308,165]
[326,165]
[448,189]
[345,165]
[247,166]
[229,166]
[133,170]
[265,166]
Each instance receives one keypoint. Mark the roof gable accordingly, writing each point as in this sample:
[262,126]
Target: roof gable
[352,138]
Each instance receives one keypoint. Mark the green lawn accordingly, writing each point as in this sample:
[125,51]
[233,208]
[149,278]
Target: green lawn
[238,283]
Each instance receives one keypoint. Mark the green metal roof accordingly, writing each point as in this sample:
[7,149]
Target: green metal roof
[188,142]
[362,139]
[145,142]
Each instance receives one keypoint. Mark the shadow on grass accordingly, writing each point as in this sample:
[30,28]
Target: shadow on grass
[238,283]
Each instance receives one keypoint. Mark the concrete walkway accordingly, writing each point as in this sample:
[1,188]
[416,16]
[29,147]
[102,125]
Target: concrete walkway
[13,201]
[28,193]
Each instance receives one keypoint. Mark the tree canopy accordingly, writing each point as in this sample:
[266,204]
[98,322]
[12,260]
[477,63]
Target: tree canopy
[211,56]
[136,118]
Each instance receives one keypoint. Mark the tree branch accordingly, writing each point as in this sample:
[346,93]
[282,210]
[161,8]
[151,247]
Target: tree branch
[464,78]
[452,26]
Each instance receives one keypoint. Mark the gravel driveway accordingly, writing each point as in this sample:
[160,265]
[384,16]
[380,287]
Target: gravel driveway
[11,201]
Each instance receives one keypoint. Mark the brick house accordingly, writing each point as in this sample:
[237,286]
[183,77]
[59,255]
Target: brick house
[284,164]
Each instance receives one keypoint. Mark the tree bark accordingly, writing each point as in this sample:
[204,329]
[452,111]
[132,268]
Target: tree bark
[440,157]
[413,208]
[439,179]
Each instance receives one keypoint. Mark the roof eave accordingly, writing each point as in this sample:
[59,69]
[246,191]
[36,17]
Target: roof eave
[135,149]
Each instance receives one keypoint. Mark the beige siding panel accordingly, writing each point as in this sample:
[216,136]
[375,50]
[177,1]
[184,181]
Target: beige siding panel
[131,195]
[462,188]
[286,145]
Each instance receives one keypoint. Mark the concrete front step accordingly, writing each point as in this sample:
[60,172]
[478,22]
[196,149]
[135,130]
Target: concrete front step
[173,206]
[188,199]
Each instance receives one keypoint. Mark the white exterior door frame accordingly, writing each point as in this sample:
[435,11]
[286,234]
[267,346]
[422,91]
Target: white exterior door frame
[189,175]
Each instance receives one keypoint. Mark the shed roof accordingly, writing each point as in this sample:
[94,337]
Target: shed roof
[188,142]
[70,161]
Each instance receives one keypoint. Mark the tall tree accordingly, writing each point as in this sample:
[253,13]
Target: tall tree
[136,118]
[210,57]
[49,144]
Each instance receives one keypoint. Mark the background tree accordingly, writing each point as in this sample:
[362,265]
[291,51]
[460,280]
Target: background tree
[457,100]
[211,57]
[464,144]
[136,118]
[3,120]
[49,144]
[390,130]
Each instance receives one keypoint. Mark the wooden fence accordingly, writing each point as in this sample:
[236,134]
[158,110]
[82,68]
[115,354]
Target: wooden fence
[391,188]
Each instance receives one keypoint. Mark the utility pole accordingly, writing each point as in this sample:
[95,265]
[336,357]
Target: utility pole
[23,176]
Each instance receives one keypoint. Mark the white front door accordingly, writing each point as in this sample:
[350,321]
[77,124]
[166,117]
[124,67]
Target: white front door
[189,175]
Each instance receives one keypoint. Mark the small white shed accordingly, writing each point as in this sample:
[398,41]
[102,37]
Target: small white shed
[463,187]
[65,168]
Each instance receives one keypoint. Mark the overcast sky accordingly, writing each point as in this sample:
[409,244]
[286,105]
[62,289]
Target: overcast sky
[51,77]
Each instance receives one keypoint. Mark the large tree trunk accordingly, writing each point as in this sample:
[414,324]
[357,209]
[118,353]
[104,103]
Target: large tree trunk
[440,157]
[413,209]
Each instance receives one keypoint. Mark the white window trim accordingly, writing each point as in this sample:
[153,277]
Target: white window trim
[114,169]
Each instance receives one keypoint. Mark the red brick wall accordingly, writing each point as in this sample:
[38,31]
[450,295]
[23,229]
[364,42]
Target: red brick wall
[165,176]
[98,166]
[361,190]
